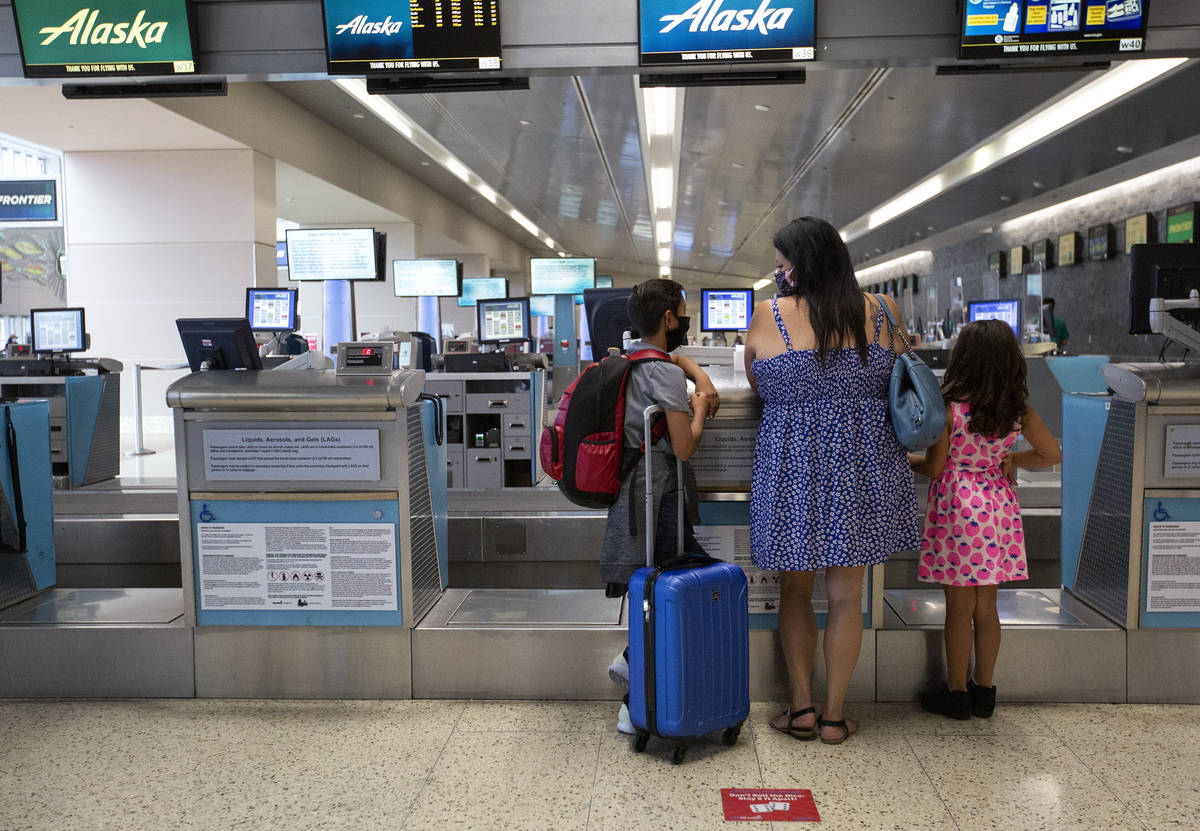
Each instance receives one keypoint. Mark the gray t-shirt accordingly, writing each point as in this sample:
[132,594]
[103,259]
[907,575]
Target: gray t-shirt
[654,382]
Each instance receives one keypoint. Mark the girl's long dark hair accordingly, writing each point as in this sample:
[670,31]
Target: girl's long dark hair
[825,279]
[987,370]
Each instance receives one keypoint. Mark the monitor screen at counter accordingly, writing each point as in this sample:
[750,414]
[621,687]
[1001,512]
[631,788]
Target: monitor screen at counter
[1042,28]
[725,310]
[1007,310]
[482,288]
[503,321]
[272,310]
[391,37]
[561,275]
[425,278]
[57,330]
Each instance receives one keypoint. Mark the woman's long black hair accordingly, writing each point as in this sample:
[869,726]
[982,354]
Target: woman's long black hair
[987,370]
[825,279]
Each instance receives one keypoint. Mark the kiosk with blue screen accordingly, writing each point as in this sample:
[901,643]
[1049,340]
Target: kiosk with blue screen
[1007,310]
[726,310]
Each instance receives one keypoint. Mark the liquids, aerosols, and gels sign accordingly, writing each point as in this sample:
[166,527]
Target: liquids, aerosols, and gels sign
[84,29]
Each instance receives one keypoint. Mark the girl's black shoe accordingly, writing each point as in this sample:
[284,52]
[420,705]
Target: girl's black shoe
[947,702]
[983,700]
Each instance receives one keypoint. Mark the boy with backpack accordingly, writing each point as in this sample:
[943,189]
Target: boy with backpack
[658,311]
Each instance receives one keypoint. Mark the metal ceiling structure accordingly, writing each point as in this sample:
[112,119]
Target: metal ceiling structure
[567,154]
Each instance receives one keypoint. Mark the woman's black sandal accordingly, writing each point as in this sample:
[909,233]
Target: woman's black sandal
[842,724]
[804,734]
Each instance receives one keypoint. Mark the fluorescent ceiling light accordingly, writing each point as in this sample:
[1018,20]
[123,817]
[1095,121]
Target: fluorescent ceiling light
[909,261]
[1035,127]
[662,184]
[664,256]
[763,283]
[487,193]
[664,230]
[458,169]
[1149,183]
[550,243]
[660,110]
[664,271]
[562,253]
[524,221]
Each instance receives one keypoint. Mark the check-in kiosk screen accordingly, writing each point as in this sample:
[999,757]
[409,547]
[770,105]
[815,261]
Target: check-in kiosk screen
[687,33]
[726,310]
[425,278]
[478,288]
[72,39]
[272,310]
[1037,28]
[503,321]
[331,254]
[57,330]
[365,37]
[1007,310]
[561,275]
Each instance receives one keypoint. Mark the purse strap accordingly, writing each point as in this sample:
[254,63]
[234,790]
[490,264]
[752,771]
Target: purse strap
[893,326]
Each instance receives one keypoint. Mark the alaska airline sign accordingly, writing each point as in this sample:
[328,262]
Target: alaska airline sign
[683,32]
[66,38]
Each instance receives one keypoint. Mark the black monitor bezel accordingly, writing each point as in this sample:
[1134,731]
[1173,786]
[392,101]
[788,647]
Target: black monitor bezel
[704,309]
[379,255]
[233,326]
[985,48]
[1145,261]
[528,320]
[295,292]
[33,331]
[458,273]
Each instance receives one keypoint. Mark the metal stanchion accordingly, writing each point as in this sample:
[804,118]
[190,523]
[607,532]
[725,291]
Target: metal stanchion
[139,448]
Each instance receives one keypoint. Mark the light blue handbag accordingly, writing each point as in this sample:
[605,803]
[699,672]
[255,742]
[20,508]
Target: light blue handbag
[914,395]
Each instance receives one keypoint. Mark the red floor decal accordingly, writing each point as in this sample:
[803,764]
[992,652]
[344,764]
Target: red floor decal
[769,805]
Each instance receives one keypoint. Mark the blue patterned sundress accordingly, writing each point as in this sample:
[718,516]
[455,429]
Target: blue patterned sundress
[832,486]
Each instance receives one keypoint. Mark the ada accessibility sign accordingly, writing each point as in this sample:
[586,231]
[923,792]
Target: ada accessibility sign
[752,805]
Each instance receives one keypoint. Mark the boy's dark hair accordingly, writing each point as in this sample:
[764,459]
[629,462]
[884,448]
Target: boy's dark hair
[824,275]
[650,301]
[987,370]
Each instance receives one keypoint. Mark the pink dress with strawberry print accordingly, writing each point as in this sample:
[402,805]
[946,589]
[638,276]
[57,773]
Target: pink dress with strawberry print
[973,534]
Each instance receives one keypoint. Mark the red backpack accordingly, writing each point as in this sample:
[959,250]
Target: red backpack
[584,450]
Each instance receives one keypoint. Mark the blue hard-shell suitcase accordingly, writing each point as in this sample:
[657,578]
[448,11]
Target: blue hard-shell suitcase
[689,642]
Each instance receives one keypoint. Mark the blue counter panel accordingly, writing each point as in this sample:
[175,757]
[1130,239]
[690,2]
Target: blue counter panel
[1167,510]
[1079,373]
[1084,420]
[435,466]
[374,511]
[31,425]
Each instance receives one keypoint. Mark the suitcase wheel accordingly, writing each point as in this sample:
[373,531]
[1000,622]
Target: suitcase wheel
[731,734]
[677,756]
[639,744]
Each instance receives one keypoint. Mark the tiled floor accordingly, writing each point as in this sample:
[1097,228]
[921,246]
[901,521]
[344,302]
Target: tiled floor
[208,765]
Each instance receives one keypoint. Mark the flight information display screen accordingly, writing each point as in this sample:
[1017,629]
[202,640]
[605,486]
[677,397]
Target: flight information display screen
[365,37]
[1007,310]
[691,32]
[1031,28]
[425,278]
[726,310]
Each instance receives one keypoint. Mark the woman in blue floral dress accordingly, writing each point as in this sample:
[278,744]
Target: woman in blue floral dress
[832,488]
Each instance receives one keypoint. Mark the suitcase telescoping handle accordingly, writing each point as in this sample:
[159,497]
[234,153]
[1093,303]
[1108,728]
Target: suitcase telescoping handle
[651,515]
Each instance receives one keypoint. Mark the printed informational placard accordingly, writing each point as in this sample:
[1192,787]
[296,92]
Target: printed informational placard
[1181,223]
[71,39]
[725,457]
[684,32]
[1182,456]
[1173,568]
[767,805]
[1137,231]
[282,455]
[1068,249]
[284,566]
[331,253]
[731,543]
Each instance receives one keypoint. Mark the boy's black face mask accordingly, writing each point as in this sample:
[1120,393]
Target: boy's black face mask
[676,336]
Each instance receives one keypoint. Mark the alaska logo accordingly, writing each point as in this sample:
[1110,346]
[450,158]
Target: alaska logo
[362,26]
[83,29]
[707,16]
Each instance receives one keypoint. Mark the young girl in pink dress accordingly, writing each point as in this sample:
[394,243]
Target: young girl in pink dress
[973,539]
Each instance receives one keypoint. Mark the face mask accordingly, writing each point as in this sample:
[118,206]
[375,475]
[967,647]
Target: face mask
[785,282]
[676,336]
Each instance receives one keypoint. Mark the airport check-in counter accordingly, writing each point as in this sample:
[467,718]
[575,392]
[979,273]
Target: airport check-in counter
[313,529]
[85,412]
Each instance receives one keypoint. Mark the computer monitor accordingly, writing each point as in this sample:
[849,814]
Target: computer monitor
[561,275]
[1167,270]
[218,343]
[503,320]
[427,278]
[726,310]
[603,282]
[476,287]
[1007,310]
[273,310]
[541,305]
[58,330]
[607,312]
[335,253]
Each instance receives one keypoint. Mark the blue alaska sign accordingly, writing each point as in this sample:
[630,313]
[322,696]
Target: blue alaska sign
[682,32]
